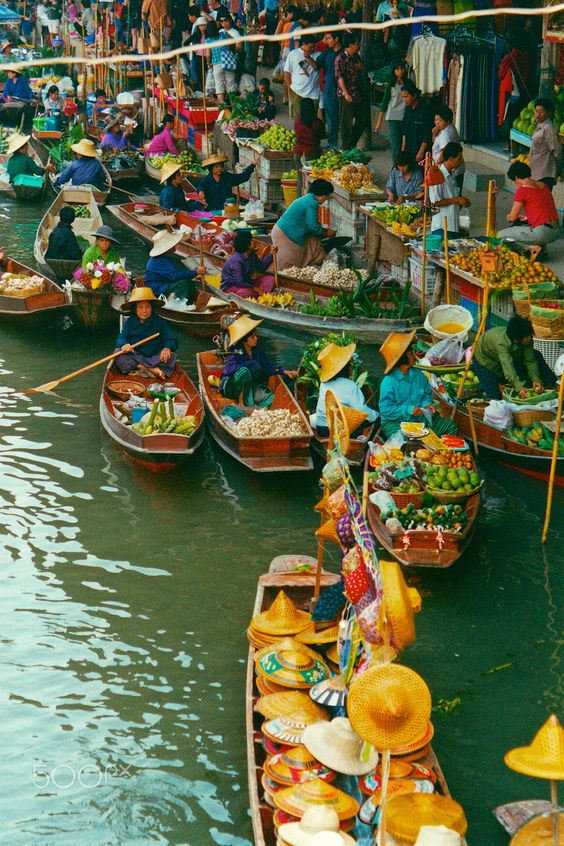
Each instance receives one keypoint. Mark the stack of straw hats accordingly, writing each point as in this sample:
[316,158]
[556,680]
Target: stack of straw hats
[282,619]
[407,814]
[319,826]
[297,799]
[338,746]
[290,664]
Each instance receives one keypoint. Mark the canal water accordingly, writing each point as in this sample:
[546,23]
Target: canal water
[125,597]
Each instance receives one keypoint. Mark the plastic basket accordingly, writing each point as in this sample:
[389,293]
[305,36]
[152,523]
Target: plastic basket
[453,497]
[550,350]
[29,180]
[290,191]
[551,328]
[402,500]
[431,275]
[502,304]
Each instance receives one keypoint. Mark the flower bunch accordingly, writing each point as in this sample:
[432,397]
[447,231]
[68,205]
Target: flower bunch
[98,275]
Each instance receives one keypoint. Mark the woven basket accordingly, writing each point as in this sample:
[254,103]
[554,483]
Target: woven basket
[453,497]
[354,418]
[124,389]
[402,500]
[531,415]
[548,328]
[521,307]
[539,309]
[478,408]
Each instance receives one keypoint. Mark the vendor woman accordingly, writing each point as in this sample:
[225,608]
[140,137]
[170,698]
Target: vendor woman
[215,188]
[335,376]
[243,272]
[505,355]
[86,170]
[405,392]
[247,368]
[298,232]
[20,162]
[156,356]
[405,183]
[172,196]
[117,139]
[102,249]
[534,200]
[165,275]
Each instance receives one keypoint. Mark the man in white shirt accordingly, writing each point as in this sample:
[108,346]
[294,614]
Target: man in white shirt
[445,196]
[301,75]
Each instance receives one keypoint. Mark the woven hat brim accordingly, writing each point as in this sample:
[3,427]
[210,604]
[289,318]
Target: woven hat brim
[277,705]
[320,740]
[411,748]
[538,832]
[285,627]
[524,760]
[309,635]
[409,811]
[296,800]
[286,776]
[266,687]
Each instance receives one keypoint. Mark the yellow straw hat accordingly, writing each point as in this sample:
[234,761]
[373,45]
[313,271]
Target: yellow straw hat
[85,148]
[276,704]
[288,728]
[394,347]
[296,766]
[316,821]
[544,758]
[291,664]
[17,141]
[328,531]
[538,831]
[412,751]
[282,618]
[241,327]
[217,158]
[389,706]
[408,812]
[338,746]
[266,687]
[309,635]
[296,800]
[332,359]
[141,295]
[168,170]
[332,692]
[401,603]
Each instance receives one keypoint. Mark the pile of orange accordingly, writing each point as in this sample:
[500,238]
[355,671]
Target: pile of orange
[515,269]
[460,459]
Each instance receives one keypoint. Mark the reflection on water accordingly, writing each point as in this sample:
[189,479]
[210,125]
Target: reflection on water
[124,603]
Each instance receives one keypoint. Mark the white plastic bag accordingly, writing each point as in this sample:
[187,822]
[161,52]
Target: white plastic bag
[443,314]
[447,351]
[498,414]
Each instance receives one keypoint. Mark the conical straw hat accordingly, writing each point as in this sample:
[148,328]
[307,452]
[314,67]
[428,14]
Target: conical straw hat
[330,692]
[277,704]
[296,766]
[332,359]
[389,706]
[288,728]
[323,504]
[413,751]
[266,687]
[296,800]
[401,604]
[319,826]
[271,747]
[438,835]
[328,531]
[544,758]
[538,831]
[408,812]
[291,664]
[354,418]
[282,618]
[338,746]
[394,347]
[370,782]
[17,141]
[309,635]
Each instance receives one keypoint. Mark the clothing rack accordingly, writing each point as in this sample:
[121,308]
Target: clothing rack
[462,37]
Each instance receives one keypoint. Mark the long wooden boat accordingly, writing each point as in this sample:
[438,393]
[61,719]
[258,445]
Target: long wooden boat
[299,587]
[13,112]
[36,310]
[84,227]
[266,454]
[24,192]
[155,173]
[123,174]
[493,442]
[158,453]
[100,196]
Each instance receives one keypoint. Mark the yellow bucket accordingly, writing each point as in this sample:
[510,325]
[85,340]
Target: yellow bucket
[290,190]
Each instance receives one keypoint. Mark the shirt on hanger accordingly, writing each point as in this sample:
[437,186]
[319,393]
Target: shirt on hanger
[427,60]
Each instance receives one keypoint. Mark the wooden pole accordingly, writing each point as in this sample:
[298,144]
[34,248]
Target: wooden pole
[201,246]
[553,460]
[424,240]
[479,333]
[275,266]
[491,225]
[447,260]
[473,427]
[177,122]
[554,803]
[205,112]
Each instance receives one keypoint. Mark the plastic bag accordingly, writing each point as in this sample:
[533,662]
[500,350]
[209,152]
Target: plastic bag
[498,414]
[444,314]
[210,82]
[447,351]
[278,72]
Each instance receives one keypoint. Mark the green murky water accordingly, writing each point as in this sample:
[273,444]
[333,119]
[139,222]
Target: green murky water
[125,597]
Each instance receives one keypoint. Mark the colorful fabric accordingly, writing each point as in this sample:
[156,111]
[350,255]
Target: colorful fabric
[349,69]
[238,270]
[162,143]
[242,381]
[215,52]
[258,364]
[228,55]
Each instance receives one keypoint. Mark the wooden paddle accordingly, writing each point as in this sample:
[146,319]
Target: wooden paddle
[123,191]
[50,386]
[275,265]
[447,260]
[553,461]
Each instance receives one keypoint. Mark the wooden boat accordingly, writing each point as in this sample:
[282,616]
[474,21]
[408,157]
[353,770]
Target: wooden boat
[259,454]
[24,192]
[204,322]
[84,227]
[299,587]
[158,453]
[99,196]
[155,173]
[13,112]
[493,442]
[35,310]
[123,174]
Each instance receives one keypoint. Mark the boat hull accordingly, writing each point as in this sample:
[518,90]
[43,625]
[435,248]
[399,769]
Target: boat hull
[82,227]
[93,310]
[36,311]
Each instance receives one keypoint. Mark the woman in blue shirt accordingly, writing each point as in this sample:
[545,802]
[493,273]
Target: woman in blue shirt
[334,375]
[86,170]
[164,275]
[172,196]
[215,188]
[405,393]
[16,87]
[156,356]
[298,232]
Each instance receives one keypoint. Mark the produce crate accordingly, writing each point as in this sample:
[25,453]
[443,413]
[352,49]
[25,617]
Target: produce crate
[416,273]
[267,167]
[400,272]
[468,289]
[496,320]
[502,304]
[550,350]
[270,191]
[473,308]
[345,221]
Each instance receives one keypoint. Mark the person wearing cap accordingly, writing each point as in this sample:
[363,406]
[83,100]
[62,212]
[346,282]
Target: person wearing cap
[297,232]
[164,141]
[102,249]
[248,368]
[20,162]
[115,138]
[165,275]
[16,87]
[215,188]
[172,196]
[63,243]
[335,376]
[158,355]
[86,170]
[243,272]
[405,392]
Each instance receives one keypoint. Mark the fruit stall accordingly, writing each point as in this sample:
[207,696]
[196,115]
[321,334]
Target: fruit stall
[274,146]
[389,229]
[525,125]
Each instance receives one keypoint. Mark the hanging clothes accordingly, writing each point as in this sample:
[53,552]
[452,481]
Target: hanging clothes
[422,9]
[428,62]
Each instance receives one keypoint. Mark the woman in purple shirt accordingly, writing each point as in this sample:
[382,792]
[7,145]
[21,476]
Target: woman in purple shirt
[116,139]
[243,273]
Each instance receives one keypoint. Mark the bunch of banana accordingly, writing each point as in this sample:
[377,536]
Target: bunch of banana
[284,300]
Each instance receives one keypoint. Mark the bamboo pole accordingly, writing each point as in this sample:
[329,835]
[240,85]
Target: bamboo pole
[177,122]
[424,240]
[275,265]
[553,461]
[491,224]
[205,113]
[473,428]
[555,809]
[201,246]
[479,333]
[447,260]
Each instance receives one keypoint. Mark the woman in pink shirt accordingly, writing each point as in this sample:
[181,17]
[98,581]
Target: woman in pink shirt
[163,142]
[533,200]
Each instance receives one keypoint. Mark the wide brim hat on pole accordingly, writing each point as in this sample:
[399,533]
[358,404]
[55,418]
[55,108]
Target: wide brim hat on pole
[408,812]
[394,347]
[282,618]
[296,800]
[288,728]
[401,604]
[338,746]
[85,148]
[316,820]
[277,704]
[164,241]
[538,831]
[544,758]
[296,766]
[332,359]
[16,142]
[168,170]
[389,706]
[291,664]
[217,158]
[141,295]
[241,327]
